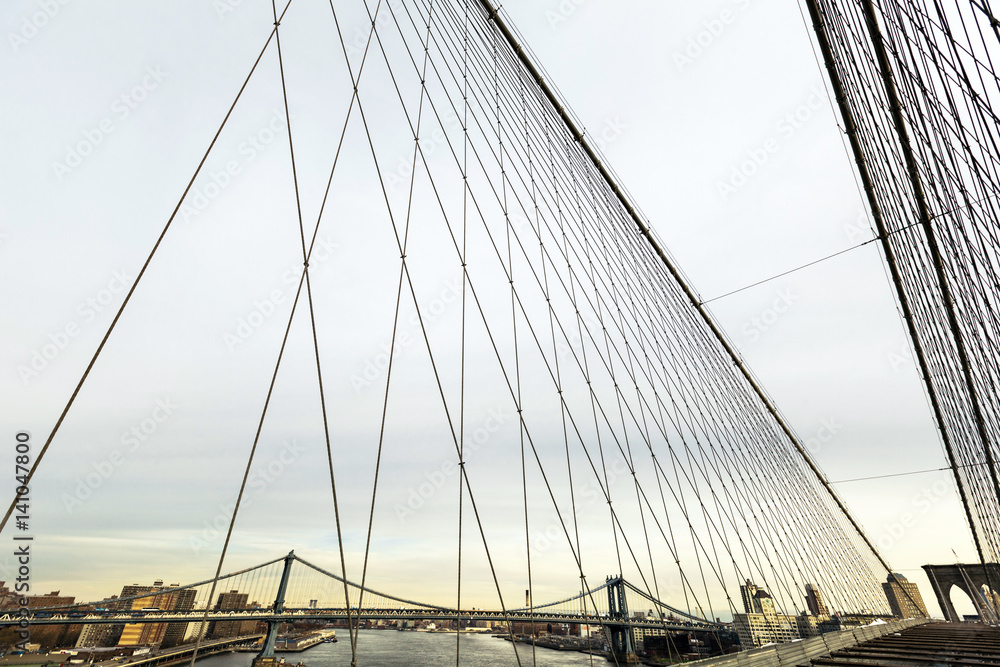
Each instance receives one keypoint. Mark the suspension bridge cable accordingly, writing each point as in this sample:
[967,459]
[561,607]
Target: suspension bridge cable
[355,81]
[312,320]
[462,372]
[535,453]
[605,351]
[790,271]
[412,291]
[932,159]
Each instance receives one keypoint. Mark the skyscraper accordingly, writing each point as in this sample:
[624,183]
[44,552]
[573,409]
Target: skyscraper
[814,600]
[749,593]
[756,600]
[904,598]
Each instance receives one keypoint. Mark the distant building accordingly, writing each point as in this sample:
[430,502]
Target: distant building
[759,629]
[141,634]
[46,636]
[231,601]
[99,635]
[9,599]
[194,631]
[755,600]
[102,635]
[904,598]
[814,601]
[164,635]
[183,600]
[53,599]
[812,626]
[748,592]
[762,624]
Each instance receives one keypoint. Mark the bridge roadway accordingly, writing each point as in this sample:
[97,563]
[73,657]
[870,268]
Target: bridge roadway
[116,617]
[182,653]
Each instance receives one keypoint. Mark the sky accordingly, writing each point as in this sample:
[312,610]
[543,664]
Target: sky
[713,115]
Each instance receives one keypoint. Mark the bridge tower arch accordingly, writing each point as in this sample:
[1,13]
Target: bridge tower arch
[266,655]
[619,625]
[970,578]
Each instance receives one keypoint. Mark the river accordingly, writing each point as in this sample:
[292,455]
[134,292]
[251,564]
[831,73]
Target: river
[391,648]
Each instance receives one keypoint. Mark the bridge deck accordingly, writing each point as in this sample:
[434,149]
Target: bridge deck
[930,644]
[266,615]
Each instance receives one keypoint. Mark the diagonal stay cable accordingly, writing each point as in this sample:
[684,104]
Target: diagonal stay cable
[312,321]
[493,343]
[170,589]
[412,290]
[671,267]
[395,331]
[465,238]
[355,81]
[253,451]
[529,327]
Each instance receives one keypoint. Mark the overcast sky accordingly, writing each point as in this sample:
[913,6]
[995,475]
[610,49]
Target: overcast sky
[714,115]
